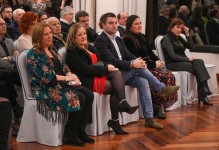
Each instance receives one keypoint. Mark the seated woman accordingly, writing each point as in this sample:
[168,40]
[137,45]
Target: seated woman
[28,20]
[43,16]
[136,43]
[49,76]
[103,79]
[174,53]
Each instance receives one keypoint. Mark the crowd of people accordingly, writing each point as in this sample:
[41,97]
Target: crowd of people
[118,56]
[200,16]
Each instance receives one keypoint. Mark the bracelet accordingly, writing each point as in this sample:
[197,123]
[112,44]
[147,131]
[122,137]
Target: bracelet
[65,79]
[131,66]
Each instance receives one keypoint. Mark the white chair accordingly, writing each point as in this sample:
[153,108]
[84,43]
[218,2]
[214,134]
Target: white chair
[34,127]
[101,110]
[187,80]
[62,52]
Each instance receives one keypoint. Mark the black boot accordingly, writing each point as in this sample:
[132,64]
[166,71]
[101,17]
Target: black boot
[205,89]
[70,137]
[125,107]
[71,128]
[83,136]
[202,96]
[114,124]
[205,100]
[158,112]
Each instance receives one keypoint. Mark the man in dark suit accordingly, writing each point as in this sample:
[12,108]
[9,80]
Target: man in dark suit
[122,18]
[12,28]
[163,20]
[82,17]
[8,69]
[212,27]
[66,20]
[112,50]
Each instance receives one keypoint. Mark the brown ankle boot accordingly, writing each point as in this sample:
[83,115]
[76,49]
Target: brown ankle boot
[166,91]
[150,122]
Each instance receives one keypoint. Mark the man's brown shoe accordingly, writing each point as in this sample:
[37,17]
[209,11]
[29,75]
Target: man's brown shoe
[166,91]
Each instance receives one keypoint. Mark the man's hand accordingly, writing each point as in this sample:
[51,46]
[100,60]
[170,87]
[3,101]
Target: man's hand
[139,63]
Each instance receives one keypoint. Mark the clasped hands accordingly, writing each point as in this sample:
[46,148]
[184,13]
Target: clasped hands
[72,77]
[139,63]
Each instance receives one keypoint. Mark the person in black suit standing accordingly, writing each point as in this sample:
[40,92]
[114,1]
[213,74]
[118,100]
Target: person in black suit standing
[135,73]
[212,27]
[122,18]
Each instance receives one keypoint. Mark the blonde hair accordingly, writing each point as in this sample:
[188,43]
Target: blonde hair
[72,34]
[37,34]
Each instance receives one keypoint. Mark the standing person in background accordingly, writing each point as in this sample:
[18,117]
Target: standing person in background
[49,78]
[136,43]
[82,17]
[163,20]
[174,47]
[122,18]
[37,6]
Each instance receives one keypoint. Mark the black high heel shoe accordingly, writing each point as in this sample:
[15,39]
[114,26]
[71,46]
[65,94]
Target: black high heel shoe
[206,91]
[205,100]
[125,107]
[116,127]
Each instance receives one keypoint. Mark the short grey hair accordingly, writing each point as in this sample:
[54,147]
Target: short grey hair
[65,11]
[14,14]
[48,21]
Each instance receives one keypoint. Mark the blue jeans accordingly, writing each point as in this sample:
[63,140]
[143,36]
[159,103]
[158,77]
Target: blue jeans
[141,78]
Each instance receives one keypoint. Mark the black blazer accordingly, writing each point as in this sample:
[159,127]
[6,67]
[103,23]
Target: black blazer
[108,52]
[121,31]
[212,28]
[143,50]
[79,62]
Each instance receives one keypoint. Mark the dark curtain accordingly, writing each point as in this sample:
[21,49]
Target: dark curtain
[152,21]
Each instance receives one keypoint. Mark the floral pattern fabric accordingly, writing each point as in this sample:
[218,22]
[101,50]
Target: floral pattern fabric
[42,75]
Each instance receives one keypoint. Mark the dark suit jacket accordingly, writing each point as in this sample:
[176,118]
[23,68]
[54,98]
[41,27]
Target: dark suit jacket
[121,31]
[65,28]
[108,52]
[85,71]
[212,28]
[10,46]
[163,25]
[91,35]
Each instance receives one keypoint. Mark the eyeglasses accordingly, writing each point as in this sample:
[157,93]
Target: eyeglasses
[2,24]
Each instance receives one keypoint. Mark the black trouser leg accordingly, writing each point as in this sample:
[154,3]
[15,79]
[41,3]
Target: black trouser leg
[86,98]
[5,123]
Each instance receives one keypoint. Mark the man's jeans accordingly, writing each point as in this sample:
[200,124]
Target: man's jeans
[141,78]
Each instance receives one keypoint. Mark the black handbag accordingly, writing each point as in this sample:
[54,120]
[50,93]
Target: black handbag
[99,63]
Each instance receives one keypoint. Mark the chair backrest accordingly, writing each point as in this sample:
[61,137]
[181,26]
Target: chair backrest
[206,34]
[158,47]
[62,52]
[22,69]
